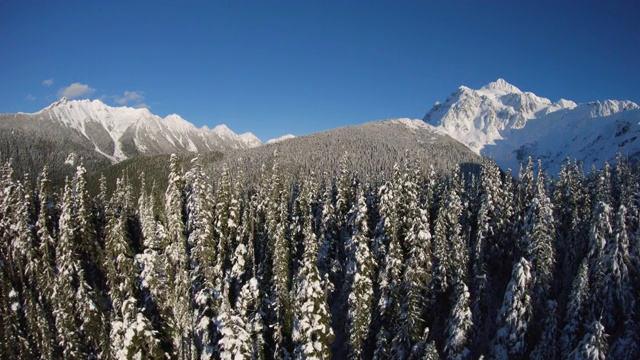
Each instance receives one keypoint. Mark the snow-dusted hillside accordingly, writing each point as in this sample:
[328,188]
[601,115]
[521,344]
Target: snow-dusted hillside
[503,122]
[121,132]
[371,150]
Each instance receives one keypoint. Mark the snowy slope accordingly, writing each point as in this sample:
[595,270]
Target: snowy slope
[371,150]
[503,122]
[281,138]
[121,132]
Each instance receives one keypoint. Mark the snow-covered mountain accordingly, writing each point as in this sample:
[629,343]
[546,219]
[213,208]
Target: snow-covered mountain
[281,138]
[503,122]
[371,150]
[121,132]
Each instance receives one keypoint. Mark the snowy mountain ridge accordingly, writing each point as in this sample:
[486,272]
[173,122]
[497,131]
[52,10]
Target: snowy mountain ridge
[503,122]
[121,132]
[281,138]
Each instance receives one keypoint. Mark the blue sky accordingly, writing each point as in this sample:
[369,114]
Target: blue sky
[277,67]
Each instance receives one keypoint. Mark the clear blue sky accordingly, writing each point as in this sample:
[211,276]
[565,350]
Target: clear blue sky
[277,67]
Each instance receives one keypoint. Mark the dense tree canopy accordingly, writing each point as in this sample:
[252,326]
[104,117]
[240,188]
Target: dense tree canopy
[413,265]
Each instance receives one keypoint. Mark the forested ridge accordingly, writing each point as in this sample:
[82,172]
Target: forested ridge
[318,266]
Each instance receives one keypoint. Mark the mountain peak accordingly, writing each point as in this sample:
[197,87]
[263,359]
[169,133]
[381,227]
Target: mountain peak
[250,139]
[501,85]
[60,102]
[509,125]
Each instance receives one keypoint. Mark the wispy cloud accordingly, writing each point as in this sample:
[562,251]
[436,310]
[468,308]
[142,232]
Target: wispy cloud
[141,106]
[129,96]
[132,98]
[31,97]
[76,90]
[47,82]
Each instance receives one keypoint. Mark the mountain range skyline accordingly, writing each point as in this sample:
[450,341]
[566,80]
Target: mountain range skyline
[497,121]
[305,67]
[500,85]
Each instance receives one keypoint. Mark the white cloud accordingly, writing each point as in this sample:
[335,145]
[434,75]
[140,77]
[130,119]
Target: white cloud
[76,90]
[31,97]
[47,82]
[142,106]
[129,96]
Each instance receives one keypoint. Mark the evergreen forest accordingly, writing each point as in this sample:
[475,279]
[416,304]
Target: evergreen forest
[419,265]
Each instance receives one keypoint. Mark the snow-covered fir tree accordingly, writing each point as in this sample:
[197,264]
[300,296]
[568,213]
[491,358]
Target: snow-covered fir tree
[205,265]
[594,344]
[312,335]
[177,262]
[360,273]
[77,317]
[132,334]
[515,314]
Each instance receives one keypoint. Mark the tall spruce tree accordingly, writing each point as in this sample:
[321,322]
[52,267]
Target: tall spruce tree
[415,281]
[360,273]
[45,270]
[205,265]
[179,279]
[577,310]
[132,334]
[280,289]
[312,334]
[593,346]
[63,288]
[515,313]
[459,323]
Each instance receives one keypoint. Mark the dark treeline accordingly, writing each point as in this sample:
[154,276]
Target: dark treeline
[418,266]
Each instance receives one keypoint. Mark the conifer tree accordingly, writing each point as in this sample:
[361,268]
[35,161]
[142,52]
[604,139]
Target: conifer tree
[525,192]
[89,257]
[360,272]
[64,290]
[548,346]
[280,290]
[152,262]
[416,279]
[389,301]
[224,228]
[593,346]
[312,334]
[132,334]
[28,261]
[45,270]
[459,324]
[46,249]
[19,255]
[206,274]
[613,283]
[577,309]
[235,341]
[85,232]
[179,299]
[456,246]
[514,315]
[249,309]
[573,213]
[14,342]
[489,229]
[538,242]
[430,352]
[387,249]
